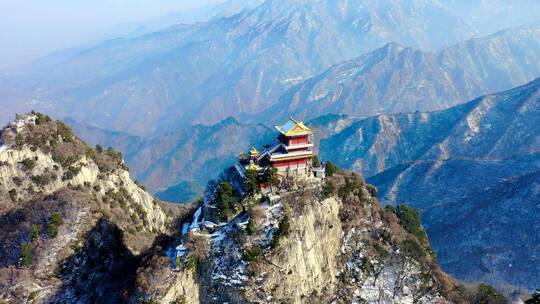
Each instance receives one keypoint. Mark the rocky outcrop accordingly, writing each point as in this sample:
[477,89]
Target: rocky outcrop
[72,220]
[302,245]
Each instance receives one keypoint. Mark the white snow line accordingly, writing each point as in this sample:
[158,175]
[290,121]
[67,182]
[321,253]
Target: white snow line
[195,223]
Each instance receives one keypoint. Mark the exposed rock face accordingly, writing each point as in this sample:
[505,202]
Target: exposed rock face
[335,250]
[69,214]
[471,170]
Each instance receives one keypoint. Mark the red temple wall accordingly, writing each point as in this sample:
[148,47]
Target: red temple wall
[294,140]
[290,163]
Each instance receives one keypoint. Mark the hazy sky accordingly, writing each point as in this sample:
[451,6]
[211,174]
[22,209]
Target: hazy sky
[33,28]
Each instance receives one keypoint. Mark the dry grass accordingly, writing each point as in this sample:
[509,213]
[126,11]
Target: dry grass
[198,245]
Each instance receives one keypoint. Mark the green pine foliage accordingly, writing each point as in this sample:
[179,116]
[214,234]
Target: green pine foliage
[227,201]
[352,185]
[251,184]
[64,131]
[250,227]
[55,220]
[328,189]
[282,231]
[330,169]
[270,176]
[26,255]
[410,220]
[486,294]
[252,254]
[35,230]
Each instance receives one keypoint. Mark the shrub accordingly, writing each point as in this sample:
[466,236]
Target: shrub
[330,169]
[250,183]
[143,187]
[52,230]
[270,176]
[486,294]
[191,263]
[28,164]
[412,249]
[227,200]
[116,155]
[35,230]
[315,162]
[91,153]
[13,194]
[64,131]
[99,149]
[25,254]
[283,230]
[252,254]
[410,220]
[71,172]
[328,189]
[41,119]
[32,295]
[352,185]
[55,220]
[366,266]
[382,253]
[372,190]
[41,180]
[19,140]
[250,227]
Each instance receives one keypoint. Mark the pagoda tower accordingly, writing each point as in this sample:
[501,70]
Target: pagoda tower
[293,153]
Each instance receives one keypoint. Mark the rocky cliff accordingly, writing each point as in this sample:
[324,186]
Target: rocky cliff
[319,242]
[72,219]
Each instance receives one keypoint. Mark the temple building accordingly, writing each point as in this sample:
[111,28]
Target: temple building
[293,152]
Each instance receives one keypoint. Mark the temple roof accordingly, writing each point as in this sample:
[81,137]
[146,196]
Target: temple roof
[293,128]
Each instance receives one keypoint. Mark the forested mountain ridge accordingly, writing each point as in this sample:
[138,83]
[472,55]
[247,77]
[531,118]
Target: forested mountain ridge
[471,170]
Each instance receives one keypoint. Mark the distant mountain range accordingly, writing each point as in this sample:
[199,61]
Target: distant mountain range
[396,79]
[474,173]
[245,65]
[229,66]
